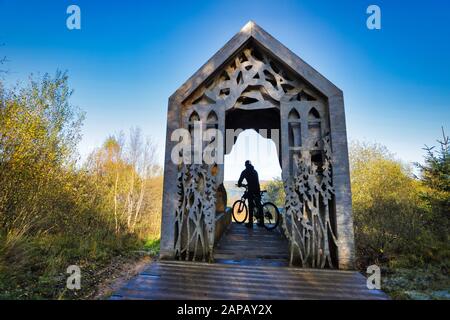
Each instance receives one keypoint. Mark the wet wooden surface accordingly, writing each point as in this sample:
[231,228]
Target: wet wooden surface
[250,264]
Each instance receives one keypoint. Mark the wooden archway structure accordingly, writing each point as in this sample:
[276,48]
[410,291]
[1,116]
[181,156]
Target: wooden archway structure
[255,81]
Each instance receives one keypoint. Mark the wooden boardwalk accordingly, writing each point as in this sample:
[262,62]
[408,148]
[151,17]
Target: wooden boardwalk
[256,246]
[250,264]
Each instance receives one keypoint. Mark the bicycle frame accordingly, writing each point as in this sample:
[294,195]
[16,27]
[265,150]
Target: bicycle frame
[263,213]
[245,197]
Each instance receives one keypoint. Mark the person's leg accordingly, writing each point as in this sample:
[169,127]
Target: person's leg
[250,210]
[260,216]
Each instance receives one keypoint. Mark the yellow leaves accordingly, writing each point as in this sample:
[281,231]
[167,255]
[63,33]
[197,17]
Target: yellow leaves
[44,195]
[385,198]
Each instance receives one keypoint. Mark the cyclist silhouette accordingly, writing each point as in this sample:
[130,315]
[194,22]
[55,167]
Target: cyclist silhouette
[254,192]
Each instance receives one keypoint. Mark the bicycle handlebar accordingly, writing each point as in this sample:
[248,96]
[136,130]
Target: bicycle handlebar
[246,186]
[242,185]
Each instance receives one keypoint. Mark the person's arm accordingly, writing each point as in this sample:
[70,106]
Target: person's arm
[241,178]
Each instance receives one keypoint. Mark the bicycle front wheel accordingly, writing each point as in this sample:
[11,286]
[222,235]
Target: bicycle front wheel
[271,215]
[240,211]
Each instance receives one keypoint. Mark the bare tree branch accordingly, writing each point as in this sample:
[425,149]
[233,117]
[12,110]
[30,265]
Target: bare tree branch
[3,61]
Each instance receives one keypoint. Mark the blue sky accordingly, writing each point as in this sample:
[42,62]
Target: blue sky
[130,56]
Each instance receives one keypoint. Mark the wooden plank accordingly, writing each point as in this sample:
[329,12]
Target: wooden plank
[256,246]
[266,281]
[253,265]
[300,280]
[254,262]
[277,278]
[186,265]
[222,289]
[187,281]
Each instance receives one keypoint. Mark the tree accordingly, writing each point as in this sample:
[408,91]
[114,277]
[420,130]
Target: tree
[386,204]
[53,212]
[435,175]
[275,192]
[39,131]
[123,168]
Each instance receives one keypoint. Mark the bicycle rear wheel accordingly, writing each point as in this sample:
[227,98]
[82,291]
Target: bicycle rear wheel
[239,211]
[271,215]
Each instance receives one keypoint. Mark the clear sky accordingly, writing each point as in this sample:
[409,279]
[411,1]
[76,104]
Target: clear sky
[130,56]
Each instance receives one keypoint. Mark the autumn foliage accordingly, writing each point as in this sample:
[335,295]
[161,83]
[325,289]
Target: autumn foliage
[55,210]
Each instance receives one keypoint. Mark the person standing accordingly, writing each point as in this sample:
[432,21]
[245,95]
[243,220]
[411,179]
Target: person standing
[254,191]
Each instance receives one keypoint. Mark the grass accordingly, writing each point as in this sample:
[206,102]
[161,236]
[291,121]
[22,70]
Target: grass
[415,276]
[152,246]
[431,282]
[35,268]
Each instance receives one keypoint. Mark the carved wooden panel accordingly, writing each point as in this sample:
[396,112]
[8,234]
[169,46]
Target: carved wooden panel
[307,222]
[195,214]
[252,80]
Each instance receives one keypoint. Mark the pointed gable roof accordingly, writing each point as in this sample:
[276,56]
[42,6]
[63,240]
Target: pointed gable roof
[252,31]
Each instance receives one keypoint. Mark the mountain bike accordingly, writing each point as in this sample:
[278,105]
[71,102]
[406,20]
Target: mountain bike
[271,215]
